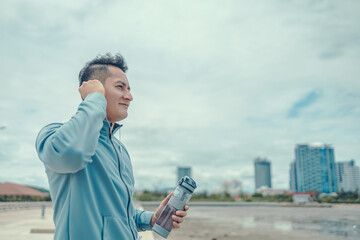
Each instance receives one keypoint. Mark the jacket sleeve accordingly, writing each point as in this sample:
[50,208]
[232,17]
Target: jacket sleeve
[142,220]
[68,147]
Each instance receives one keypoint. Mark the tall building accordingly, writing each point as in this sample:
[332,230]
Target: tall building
[262,173]
[314,169]
[348,175]
[293,177]
[183,171]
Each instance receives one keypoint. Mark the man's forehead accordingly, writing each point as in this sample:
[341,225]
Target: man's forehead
[115,70]
[119,81]
[116,74]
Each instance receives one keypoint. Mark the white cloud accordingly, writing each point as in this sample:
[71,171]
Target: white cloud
[213,83]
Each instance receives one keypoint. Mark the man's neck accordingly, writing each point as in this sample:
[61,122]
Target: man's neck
[112,127]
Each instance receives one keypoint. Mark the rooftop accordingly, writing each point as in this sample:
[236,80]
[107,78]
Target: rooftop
[9,188]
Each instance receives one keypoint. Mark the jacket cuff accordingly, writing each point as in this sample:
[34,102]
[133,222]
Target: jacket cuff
[97,97]
[145,220]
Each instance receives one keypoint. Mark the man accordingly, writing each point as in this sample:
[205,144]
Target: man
[89,170]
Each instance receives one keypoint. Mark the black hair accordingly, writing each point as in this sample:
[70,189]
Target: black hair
[98,67]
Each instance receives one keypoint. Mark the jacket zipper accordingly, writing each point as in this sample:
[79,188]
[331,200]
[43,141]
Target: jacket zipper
[127,189]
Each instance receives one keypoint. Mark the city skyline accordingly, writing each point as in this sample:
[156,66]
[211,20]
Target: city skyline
[265,168]
[214,84]
[349,166]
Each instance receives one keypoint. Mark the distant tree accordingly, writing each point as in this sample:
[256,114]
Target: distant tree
[26,198]
[257,195]
[200,196]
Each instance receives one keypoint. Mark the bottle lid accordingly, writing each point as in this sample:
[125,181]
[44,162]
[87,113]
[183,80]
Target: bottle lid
[188,183]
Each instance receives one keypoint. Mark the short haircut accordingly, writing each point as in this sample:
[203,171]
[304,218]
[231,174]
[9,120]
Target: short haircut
[98,67]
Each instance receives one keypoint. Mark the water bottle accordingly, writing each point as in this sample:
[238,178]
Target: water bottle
[181,196]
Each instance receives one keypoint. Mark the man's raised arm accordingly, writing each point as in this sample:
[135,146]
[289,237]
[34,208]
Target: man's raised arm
[68,147]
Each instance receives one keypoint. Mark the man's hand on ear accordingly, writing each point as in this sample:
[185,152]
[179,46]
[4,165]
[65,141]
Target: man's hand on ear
[91,86]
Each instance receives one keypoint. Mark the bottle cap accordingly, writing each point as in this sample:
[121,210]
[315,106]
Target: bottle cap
[188,183]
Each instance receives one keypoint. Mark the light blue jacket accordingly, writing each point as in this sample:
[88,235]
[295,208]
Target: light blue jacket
[90,176]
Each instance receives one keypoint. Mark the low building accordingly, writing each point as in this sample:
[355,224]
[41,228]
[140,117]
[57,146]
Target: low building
[233,188]
[265,191]
[9,189]
[303,197]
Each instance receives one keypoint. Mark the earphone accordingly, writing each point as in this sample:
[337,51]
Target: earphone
[110,127]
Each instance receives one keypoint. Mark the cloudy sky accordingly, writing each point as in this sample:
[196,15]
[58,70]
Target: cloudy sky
[215,83]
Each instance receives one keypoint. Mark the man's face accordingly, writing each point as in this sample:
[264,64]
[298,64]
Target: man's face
[117,94]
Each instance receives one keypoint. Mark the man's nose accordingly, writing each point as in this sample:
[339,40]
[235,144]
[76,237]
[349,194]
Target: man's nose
[128,96]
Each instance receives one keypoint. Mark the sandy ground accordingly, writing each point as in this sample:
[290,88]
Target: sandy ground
[340,222]
[280,223]
[18,224]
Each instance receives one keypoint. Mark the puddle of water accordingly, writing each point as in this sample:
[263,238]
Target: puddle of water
[283,226]
[248,222]
[344,227]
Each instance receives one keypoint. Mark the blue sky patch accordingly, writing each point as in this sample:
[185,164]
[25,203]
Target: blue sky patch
[308,100]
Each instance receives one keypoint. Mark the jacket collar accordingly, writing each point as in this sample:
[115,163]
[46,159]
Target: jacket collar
[107,125]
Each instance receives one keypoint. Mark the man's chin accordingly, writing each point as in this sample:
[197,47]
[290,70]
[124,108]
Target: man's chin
[122,117]
[117,118]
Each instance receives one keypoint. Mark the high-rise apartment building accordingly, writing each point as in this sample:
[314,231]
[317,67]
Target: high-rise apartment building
[293,177]
[314,169]
[262,173]
[183,171]
[348,176]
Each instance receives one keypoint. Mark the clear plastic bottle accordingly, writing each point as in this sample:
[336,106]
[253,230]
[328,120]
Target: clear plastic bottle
[178,200]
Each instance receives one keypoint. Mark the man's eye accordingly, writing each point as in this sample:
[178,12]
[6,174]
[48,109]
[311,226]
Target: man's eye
[120,86]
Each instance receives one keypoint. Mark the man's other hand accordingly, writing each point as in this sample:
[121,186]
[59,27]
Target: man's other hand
[178,217]
[91,86]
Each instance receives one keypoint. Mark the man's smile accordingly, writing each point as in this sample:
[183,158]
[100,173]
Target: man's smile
[126,105]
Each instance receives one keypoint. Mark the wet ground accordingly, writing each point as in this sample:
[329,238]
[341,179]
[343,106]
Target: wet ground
[290,223]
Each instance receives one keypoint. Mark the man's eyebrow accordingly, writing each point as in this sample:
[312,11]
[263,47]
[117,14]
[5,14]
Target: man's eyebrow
[122,83]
